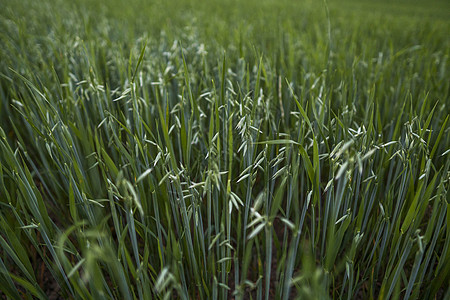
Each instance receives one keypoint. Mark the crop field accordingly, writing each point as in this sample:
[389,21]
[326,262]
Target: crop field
[267,149]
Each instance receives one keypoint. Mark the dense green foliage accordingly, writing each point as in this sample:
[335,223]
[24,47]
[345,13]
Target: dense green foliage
[216,149]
